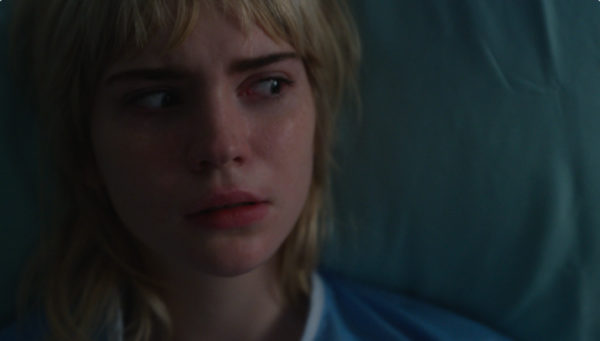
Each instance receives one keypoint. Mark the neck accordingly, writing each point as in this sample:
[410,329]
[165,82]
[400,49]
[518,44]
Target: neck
[245,307]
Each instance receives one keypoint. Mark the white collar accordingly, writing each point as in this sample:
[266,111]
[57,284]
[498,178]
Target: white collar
[315,312]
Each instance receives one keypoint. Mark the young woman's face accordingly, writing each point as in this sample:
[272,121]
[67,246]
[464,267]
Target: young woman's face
[207,152]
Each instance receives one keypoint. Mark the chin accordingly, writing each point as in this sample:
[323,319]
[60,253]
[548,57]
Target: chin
[236,264]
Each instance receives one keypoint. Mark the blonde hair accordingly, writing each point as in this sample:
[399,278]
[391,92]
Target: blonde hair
[89,266]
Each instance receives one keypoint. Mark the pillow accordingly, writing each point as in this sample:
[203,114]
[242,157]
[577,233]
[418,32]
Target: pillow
[472,179]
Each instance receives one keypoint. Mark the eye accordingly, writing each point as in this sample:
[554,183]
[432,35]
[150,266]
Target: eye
[267,87]
[160,99]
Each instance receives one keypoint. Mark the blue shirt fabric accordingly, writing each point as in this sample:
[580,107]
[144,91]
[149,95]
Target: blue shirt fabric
[351,311]
[348,311]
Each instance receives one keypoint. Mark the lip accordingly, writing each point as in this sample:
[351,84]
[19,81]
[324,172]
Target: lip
[230,209]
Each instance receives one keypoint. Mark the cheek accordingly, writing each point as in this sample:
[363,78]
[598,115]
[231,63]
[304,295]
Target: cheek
[291,148]
[131,146]
[133,167]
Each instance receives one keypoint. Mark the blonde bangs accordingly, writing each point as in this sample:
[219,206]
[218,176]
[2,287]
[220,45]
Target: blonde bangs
[127,27]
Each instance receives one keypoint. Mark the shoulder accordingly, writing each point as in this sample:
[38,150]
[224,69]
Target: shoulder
[351,311]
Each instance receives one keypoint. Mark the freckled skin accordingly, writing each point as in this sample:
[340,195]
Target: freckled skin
[157,165]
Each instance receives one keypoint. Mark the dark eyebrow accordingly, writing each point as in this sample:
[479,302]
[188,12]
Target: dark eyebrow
[152,74]
[243,65]
[160,73]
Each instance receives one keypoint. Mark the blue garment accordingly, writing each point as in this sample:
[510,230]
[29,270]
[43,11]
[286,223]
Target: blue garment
[355,312]
[346,311]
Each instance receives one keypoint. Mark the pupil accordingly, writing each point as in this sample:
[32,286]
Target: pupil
[166,100]
[275,87]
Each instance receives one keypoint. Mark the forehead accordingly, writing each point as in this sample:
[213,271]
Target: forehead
[213,41]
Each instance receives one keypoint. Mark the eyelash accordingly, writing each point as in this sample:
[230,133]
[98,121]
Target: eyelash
[250,92]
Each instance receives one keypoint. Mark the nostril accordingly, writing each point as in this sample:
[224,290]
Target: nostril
[206,164]
[217,152]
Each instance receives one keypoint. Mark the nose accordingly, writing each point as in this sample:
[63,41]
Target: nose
[219,135]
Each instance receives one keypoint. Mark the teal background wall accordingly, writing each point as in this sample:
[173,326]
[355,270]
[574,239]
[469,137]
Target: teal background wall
[472,180]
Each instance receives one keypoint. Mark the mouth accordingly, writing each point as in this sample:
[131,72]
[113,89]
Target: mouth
[229,206]
[227,210]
